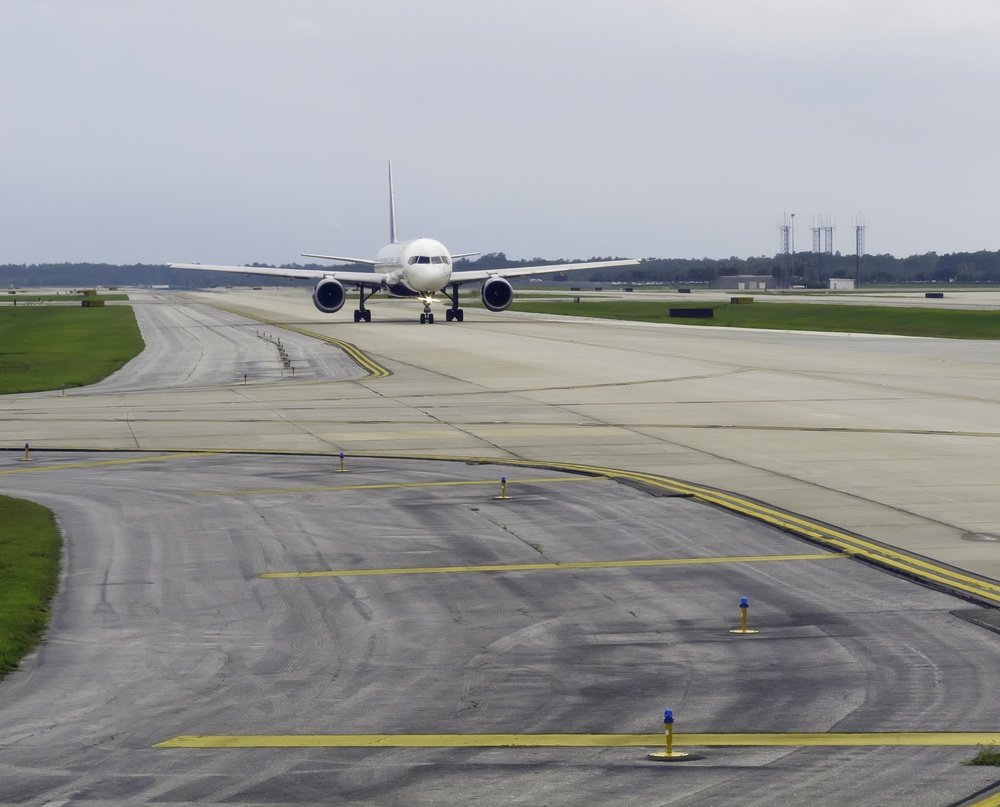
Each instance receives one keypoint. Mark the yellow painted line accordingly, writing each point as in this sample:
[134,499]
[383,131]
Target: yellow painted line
[784,739]
[896,559]
[393,485]
[28,468]
[534,567]
[353,352]
[857,546]
[989,801]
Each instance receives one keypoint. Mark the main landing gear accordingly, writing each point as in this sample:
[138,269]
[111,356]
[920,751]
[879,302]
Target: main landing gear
[454,313]
[362,314]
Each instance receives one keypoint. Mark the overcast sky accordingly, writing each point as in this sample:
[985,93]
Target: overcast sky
[231,131]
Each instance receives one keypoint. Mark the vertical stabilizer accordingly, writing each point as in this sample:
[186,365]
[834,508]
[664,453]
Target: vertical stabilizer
[392,209]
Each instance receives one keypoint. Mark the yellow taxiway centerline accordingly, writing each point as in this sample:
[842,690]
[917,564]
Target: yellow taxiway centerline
[394,485]
[775,739]
[857,546]
[533,567]
[854,545]
[28,469]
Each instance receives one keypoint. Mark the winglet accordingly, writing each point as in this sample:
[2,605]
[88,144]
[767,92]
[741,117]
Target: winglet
[392,209]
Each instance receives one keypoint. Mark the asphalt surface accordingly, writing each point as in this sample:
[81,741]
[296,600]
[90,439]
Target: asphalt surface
[163,629]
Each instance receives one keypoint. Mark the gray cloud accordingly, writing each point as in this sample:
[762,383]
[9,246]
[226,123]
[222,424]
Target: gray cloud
[232,131]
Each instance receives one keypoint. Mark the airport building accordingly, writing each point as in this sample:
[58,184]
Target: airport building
[745,282]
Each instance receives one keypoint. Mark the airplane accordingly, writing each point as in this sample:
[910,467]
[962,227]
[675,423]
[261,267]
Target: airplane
[418,268]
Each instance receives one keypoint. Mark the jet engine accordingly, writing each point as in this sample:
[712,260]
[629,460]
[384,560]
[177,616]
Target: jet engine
[497,294]
[329,295]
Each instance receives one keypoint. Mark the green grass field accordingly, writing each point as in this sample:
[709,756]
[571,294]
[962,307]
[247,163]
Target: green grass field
[20,297]
[30,547]
[44,347]
[950,323]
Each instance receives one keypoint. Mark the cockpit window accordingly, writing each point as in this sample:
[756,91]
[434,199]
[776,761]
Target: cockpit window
[429,259]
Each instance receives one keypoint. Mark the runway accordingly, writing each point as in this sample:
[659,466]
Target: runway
[598,606]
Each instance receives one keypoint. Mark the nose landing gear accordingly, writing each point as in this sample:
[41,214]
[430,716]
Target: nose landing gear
[427,316]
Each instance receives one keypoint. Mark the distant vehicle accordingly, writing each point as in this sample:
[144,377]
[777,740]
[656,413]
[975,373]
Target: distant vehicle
[418,268]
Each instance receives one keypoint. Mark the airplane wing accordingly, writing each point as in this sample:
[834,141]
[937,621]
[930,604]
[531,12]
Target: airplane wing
[340,258]
[471,275]
[372,280]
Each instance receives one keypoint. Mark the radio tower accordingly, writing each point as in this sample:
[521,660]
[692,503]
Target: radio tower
[785,229]
[860,225]
[816,230]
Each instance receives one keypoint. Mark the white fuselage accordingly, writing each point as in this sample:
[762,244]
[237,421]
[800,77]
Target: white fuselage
[421,266]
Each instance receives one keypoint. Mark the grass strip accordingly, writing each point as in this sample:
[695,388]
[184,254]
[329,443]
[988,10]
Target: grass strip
[44,347]
[949,323]
[10,297]
[30,547]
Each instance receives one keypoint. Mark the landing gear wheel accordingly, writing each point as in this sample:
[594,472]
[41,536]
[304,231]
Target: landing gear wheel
[430,319]
[357,316]
[449,315]
[368,315]
[423,318]
[460,315]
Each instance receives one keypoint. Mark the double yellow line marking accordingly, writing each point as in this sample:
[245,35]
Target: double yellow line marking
[853,545]
[353,352]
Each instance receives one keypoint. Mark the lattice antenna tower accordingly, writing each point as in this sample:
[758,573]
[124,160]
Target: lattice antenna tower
[828,226]
[785,231]
[817,229]
[860,226]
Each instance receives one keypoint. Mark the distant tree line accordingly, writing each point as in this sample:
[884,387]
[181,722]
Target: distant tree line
[809,269]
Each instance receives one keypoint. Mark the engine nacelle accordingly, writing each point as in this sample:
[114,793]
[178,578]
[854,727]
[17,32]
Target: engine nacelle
[329,295]
[497,294]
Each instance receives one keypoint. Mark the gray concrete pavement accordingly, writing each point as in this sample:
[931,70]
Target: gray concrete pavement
[162,628]
[892,437]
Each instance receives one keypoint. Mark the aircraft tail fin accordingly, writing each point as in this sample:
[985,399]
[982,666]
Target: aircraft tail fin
[392,210]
